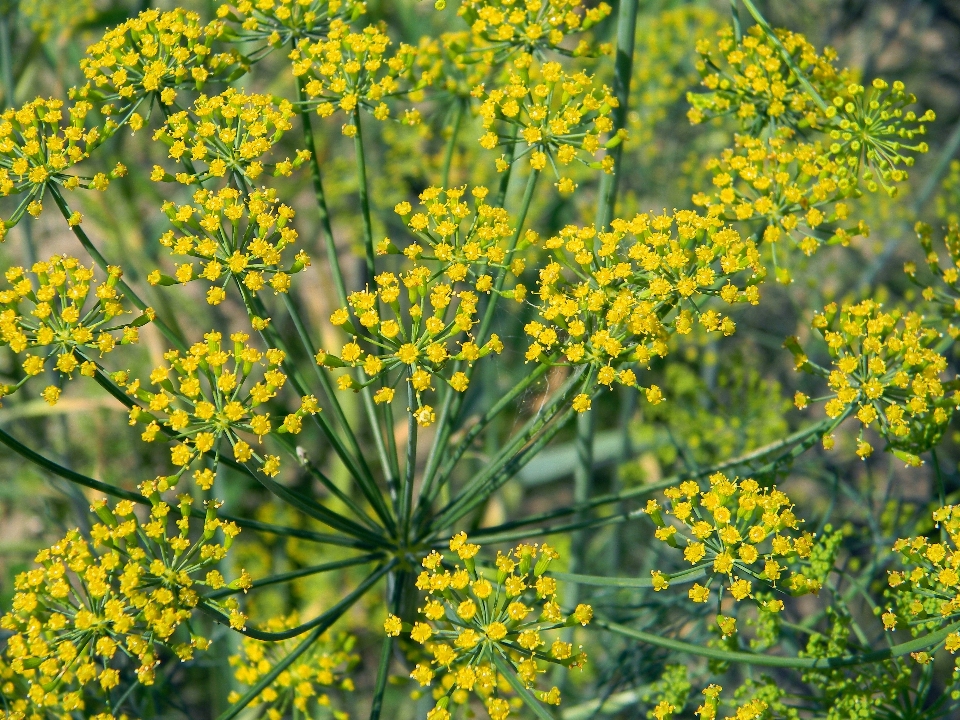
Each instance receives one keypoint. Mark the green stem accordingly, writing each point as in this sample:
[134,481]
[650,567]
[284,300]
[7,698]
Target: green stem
[326,620]
[452,143]
[410,470]
[364,198]
[755,659]
[103,265]
[427,493]
[295,574]
[107,489]
[623,71]
[383,670]
[6,62]
[333,257]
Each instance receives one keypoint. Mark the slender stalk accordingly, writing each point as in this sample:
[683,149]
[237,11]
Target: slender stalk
[406,502]
[333,257]
[329,618]
[383,670]
[296,574]
[452,142]
[757,659]
[511,247]
[369,253]
[307,343]
[102,263]
[113,491]
[433,460]
[623,71]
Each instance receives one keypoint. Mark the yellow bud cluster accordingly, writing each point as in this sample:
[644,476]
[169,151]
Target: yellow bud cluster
[306,684]
[229,133]
[38,145]
[61,318]
[154,55]
[472,623]
[735,530]
[284,22]
[794,188]
[558,115]
[926,593]
[886,369]
[351,71]
[128,593]
[502,28]
[605,299]
[239,241]
[212,398]
[413,336]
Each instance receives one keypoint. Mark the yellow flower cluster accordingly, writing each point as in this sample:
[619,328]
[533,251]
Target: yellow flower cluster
[886,369]
[286,22]
[415,337]
[476,629]
[38,145]
[212,398]
[754,709]
[558,115]
[324,665]
[236,238]
[89,608]
[945,294]
[461,249]
[605,297]
[352,71]
[501,28]
[736,530]
[58,315]
[793,187]
[752,81]
[926,594]
[865,131]
[152,56]
[230,133]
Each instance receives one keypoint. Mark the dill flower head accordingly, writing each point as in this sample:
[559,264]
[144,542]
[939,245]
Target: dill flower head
[60,318]
[558,115]
[152,56]
[886,369]
[286,22]
[229,133]
[925,593]
[305,684]
[460,243]
[478,628]
[123,600]
[606,299]
[39,145]
[795,188]
[351,71]
[213,397]
[238,240]
[944,293]
[752,81]
[503,28]
[53,19]
[735,531]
